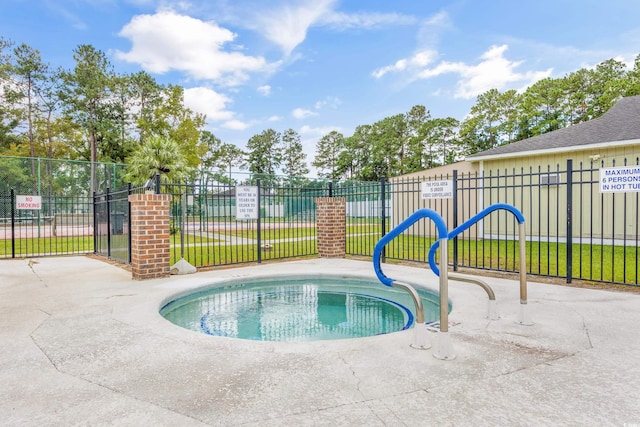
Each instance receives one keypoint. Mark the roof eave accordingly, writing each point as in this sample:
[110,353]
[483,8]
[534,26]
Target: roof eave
[555,150]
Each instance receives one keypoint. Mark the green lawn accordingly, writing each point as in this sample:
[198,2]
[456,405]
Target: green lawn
[212,255]
[46,246]
[590,262]
[273,234]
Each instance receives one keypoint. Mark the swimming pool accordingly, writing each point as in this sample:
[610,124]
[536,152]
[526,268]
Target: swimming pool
[298,308]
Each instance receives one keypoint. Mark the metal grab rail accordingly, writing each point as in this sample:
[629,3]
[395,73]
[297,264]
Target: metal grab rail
[523,315]
[397,230]
[444,350]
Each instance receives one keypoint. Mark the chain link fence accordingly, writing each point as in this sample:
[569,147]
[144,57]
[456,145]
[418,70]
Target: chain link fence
[60,218]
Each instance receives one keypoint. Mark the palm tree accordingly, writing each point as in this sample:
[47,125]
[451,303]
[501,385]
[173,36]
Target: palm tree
[157,155]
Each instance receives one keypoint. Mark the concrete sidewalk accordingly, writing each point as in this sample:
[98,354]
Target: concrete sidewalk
[83,344]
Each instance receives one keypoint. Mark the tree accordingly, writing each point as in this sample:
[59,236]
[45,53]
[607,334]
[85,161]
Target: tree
[222,156]
[415,119]
[389,146]
[328,151]
[59,134]
[145,96]
[174,120]
[230,157]
[542,107]
[157,155]
[443,146]
[9,114]
[86,93]
[631,83]
[605,87]
[264,154]
[29,74]
[480,129]
[355,159]
[293,158]
[493,121]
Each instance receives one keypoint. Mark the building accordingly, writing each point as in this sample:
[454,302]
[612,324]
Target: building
[540,166]
[539,175]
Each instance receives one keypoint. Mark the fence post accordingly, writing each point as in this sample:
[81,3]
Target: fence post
[150,246]
[331,219]
[157,183]
[13,223]
[108,223]
[258,231]
[455,219]
[128,222]
[383,212]
[95,223]
[569,220]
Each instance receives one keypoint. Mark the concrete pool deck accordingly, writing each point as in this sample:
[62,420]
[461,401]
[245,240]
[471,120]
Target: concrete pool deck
[83,344]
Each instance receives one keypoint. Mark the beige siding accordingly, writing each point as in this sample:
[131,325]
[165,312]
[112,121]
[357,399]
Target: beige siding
[406,197]
[520,181]
[607,215]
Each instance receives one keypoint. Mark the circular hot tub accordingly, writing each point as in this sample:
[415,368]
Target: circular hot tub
[298,309]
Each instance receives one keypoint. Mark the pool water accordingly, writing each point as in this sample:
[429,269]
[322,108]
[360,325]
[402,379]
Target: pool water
[298,309]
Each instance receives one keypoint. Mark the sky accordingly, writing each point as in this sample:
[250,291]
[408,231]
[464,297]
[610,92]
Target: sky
[321,65]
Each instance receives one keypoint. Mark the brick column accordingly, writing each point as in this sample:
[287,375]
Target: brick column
[150,256]
[331,217]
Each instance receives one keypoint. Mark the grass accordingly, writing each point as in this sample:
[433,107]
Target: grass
[615,264]
[600,263]
[212,255]
[274,234]
[46,245]
[191,238]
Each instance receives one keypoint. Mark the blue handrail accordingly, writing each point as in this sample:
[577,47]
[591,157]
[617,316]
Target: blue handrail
[397,230]
[467,224]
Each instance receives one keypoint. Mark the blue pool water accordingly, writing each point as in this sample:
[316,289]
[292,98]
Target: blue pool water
[298,309]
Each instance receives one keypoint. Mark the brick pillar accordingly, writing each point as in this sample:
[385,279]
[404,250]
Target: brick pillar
[150,256]
[331,217]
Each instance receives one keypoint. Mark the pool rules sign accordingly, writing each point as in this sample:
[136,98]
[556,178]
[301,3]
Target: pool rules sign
[246,202]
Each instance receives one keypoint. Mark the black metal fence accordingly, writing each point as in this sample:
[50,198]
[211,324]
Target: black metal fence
[573,230]
[212,224]
[46,206]
[60,225]
[112,223]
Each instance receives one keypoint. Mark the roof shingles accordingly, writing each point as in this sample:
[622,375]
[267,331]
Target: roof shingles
[620,123]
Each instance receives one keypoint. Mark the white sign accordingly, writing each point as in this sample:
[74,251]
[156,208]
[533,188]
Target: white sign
[247,203]
[28,202]
[437,189]
[620,179]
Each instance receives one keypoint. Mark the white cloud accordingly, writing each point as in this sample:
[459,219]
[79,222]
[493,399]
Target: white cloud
[431,29]
[419,60]
[365,20]
[287,26]
[264,90]
[494,71]
[274,119]
[235,125]
[301,113]
[207,101]
[331,102]
[317,132]
[169,41]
